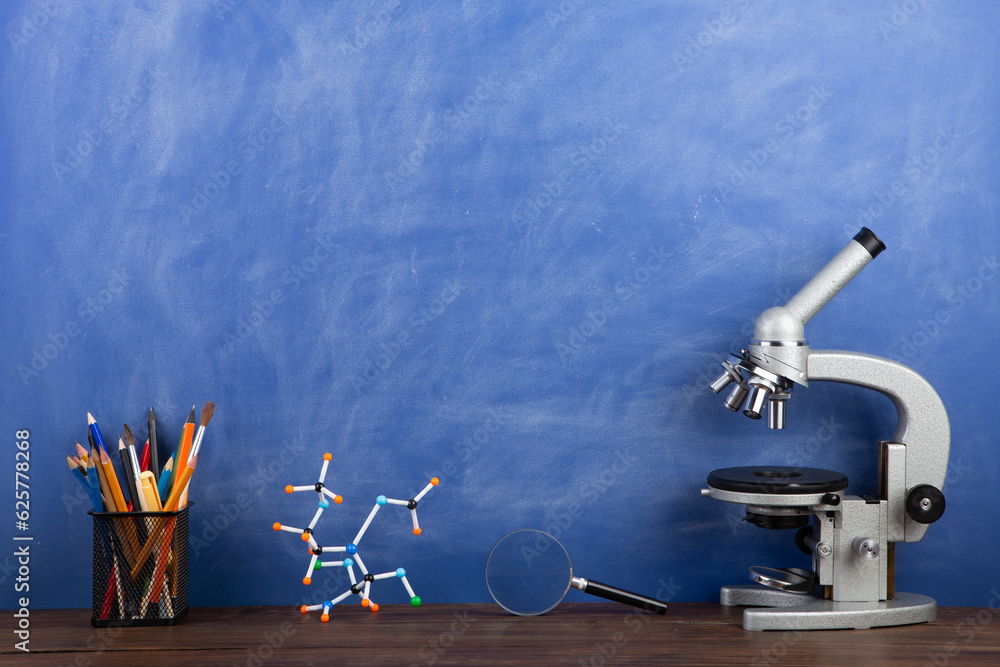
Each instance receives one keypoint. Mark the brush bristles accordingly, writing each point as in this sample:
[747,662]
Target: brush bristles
[206,414]
[129,438]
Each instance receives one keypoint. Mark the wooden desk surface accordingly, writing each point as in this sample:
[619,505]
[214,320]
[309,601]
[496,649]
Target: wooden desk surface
[446,634]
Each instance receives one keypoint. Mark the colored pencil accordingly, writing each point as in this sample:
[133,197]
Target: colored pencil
[144,459]
[183,459]
[95,431]
[95,485]
[80,477]
[81,452]
[154,461]
[163,487]
[109,502]
[112,478]
[180,485]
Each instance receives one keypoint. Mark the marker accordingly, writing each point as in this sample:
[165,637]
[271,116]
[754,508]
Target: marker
[151,498]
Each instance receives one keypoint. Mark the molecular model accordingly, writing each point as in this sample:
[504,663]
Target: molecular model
[362,587]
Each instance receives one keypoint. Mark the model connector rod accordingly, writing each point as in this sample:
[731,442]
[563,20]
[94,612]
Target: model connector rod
[778,355]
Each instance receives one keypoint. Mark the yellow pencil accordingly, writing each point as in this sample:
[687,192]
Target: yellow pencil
[116,489]
[109,501]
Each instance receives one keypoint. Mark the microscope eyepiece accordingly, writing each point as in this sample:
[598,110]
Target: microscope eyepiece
[871,243]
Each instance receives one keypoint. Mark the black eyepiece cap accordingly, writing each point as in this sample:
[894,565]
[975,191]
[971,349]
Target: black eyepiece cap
[871,243]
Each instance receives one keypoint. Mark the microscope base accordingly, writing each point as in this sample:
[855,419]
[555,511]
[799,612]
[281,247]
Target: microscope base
[791,611]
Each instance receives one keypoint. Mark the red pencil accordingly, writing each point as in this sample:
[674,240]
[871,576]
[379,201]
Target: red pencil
[144,461]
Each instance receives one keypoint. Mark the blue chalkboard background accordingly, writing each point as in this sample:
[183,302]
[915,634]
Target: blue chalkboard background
[506,244]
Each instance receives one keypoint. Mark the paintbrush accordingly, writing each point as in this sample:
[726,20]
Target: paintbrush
[206,416]
[134,461]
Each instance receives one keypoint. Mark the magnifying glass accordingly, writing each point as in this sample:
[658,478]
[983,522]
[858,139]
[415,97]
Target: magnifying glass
[529,573]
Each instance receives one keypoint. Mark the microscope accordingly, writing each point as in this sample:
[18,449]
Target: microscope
[851,539]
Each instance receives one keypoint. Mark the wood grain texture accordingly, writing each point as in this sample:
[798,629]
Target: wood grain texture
[573,634]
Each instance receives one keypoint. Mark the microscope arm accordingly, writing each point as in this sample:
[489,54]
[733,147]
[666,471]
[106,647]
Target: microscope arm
[922,424]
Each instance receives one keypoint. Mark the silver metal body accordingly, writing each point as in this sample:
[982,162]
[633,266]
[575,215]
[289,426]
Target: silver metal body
[852,538]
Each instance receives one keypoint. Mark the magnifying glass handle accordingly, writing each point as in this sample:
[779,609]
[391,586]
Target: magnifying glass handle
[618,595]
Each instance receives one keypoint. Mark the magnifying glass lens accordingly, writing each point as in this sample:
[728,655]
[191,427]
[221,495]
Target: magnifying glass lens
[528,572]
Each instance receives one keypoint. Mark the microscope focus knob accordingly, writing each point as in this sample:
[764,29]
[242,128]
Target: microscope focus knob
[925,503]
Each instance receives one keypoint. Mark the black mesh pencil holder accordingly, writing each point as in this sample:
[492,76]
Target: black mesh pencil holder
[140,568]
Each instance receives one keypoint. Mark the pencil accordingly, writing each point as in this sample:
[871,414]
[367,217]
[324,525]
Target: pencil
[180,485]
[163,487]
[81,452]
[112,478]
[184,455]
[144,459]
[154,462]
[95,486]
[80,477]
[95,431]
[109,500]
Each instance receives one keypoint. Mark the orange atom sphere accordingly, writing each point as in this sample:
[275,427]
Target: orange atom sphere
[338,499]
[307,581]
[374,607]
[277,526]
[325,617]
[305,537]
[365,602]
[327,456]
[435,481]
[289,489]
[416,531]
[304,609]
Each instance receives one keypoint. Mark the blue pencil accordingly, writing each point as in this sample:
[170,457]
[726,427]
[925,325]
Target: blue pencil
[80,477]
[95,486]
[163,487]
[96,432]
